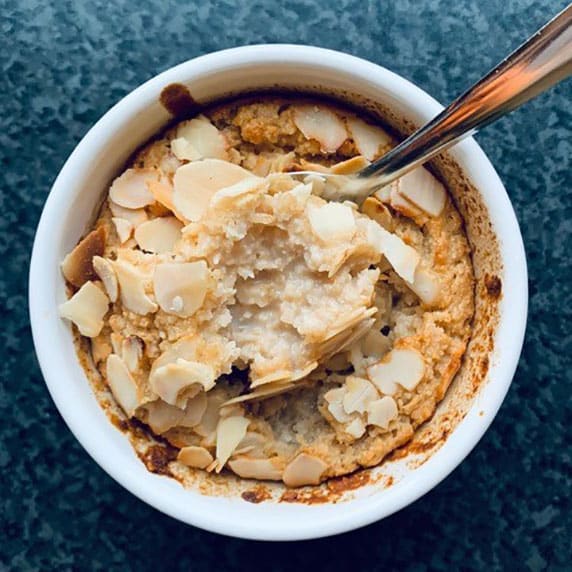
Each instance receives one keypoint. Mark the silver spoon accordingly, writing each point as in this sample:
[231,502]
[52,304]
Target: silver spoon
[541,62]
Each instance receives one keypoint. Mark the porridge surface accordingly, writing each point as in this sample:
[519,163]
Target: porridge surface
[256,326]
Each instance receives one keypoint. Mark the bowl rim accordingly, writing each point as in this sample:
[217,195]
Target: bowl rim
[458,445]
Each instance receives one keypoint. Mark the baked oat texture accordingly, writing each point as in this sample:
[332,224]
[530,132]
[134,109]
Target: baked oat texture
[256,326]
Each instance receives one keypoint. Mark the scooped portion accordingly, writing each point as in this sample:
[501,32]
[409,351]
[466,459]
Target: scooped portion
[257,326]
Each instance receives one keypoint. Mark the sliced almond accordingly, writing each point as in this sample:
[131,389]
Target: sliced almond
[104,270]
[228,195]
[376,210]
[382,412]
[304,470]
[403,367]
[158,235]
[176,382]
[134,216]
[426,286]
[332,222]
[209,420]
[359,393]
[132,352]
[132,288]
[122,385]
[163,192]
[356,428]
[195,184]
[86,309]
[123,228]
[402,204]
[335,398]
[130,189]
[161,416]
[349,166]
[181,287]
[322,125]
[197,457]
[423,190]
[183,150]
[375,344]
[268,390]
[402,257]
[261,469]
[77,266]
[194,410]
[252,444]
[199,139]
[367,138]
[229,433]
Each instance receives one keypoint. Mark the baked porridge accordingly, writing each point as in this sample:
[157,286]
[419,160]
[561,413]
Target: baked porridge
[256,326]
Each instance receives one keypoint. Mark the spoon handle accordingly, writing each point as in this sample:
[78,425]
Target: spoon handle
[541,62]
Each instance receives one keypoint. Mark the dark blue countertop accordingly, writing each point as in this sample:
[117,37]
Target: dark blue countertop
[63,64]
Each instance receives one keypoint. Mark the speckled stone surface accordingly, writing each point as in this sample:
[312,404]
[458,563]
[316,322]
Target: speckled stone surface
[63,64]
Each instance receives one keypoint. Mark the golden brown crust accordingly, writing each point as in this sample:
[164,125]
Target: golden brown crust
[259,135]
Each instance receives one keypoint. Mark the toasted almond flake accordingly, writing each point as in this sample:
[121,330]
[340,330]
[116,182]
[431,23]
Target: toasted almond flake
[423,190]
[176,382]
[122,385]
[401,366]
[332,222]
[280,375]
[130,189]
[86,309]
[304,470]
[322,125]
[350,166]
[356,428]
[181,287]
[402,204]
[132,352]
[268,390]
[261,469]
[161,416]
[210,418]
[77,266]
[197,457]
[195,184]
[382,412]
[203,141]
[402,257]
[230,432]
[134,216]
[194,410]
[253,444]
[132,288]
[376,210]
[123,228]
[375,344]
[104,270]
[426,286]
[359,392]
[158,235]
[228,195]
[367,138]
[163,192]
[183,150]
[334,398]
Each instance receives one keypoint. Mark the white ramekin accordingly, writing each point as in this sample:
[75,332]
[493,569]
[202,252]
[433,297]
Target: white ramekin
[74,199]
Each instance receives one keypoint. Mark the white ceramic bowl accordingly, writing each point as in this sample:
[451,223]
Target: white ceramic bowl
[75,197]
